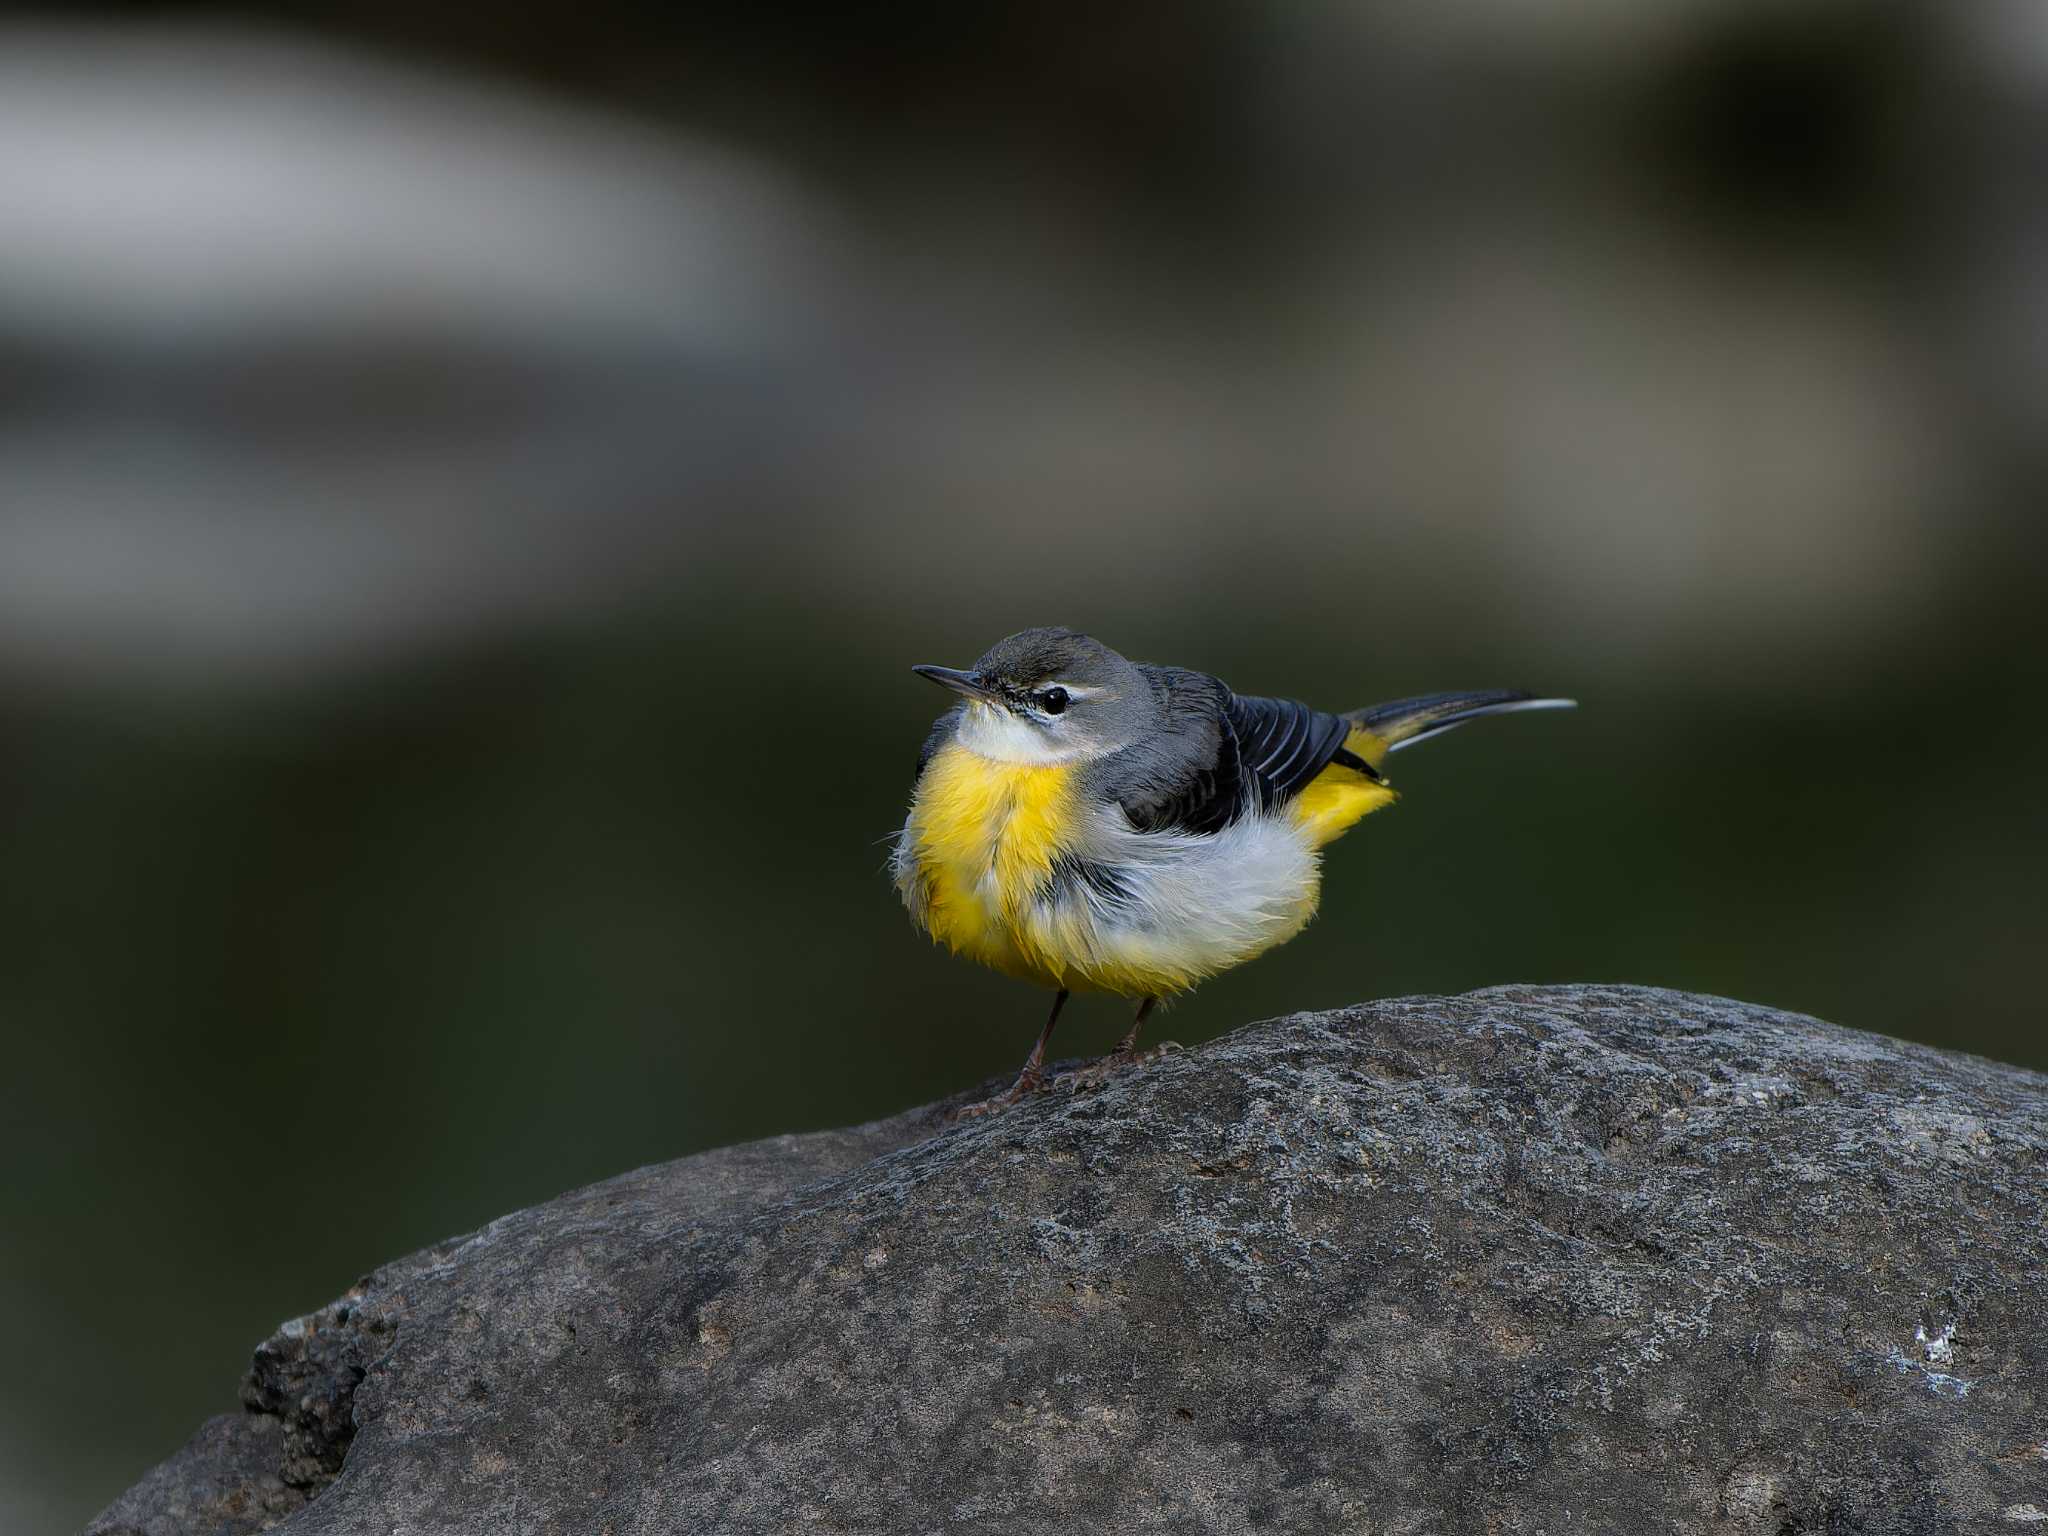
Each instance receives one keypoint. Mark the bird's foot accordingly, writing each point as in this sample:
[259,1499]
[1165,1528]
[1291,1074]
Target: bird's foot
[1027,1084]
[1091,1078]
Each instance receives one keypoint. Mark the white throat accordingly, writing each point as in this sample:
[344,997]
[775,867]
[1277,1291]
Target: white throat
[989,730]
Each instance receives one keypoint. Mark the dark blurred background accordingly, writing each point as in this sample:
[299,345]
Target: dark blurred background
[471,483]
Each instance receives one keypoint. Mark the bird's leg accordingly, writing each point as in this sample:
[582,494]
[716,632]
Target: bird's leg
[1128,1046]
[1032,1078]
[1125,1054]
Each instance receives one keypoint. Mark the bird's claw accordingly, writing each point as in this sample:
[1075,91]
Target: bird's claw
[1091,1078]
[1029,1083]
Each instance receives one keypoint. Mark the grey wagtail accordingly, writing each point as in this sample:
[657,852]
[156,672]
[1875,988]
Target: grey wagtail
[1087,822]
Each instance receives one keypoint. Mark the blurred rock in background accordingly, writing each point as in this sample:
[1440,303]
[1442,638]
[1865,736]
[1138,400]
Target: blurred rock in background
[469,490]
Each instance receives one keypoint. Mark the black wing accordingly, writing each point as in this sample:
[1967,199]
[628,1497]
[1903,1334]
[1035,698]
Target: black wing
[1220,756]
[1285,744]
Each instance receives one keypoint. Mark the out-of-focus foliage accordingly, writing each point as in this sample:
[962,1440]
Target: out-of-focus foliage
[468,499]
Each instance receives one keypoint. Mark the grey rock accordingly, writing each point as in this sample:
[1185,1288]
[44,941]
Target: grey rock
[1552,1259]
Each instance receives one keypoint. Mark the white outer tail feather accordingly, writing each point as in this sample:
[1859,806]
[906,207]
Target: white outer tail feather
[1511,707]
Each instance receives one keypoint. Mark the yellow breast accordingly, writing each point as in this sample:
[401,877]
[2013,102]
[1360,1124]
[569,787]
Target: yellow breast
[980,845]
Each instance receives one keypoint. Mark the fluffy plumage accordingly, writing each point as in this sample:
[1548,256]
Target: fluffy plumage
[1018,867]
[1153,830]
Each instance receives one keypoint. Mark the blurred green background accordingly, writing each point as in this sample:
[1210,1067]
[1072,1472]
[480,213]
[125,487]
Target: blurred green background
[471,487]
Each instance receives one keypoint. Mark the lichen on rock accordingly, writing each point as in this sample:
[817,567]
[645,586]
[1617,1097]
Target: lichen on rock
[1533,1259]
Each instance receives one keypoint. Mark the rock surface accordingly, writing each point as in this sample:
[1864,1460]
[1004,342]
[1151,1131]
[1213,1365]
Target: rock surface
[1562,1259]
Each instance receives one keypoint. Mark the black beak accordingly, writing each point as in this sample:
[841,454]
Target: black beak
[959,682]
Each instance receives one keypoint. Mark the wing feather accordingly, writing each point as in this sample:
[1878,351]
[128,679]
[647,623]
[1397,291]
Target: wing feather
[1289,742]
[1220,756]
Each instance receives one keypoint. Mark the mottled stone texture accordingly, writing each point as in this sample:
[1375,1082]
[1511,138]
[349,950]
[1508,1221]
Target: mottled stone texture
[1569,1259]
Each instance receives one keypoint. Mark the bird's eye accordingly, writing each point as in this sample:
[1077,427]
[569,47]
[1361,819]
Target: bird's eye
[1052,700]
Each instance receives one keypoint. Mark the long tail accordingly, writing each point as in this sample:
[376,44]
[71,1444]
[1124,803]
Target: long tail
[1387,728]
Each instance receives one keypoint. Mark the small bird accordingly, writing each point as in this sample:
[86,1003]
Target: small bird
[1090,823]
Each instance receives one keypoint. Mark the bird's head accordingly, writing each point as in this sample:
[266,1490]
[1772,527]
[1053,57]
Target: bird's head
[1049,696]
